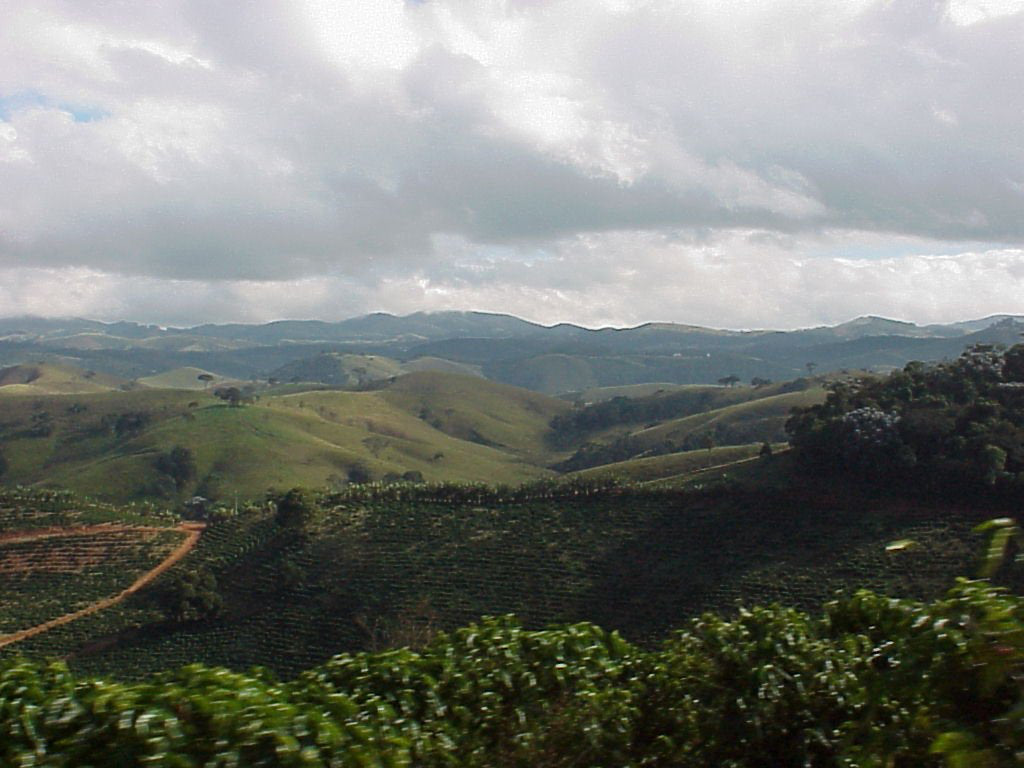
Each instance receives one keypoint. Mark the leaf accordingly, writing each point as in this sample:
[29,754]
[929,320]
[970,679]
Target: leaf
[999,522]
[901,545]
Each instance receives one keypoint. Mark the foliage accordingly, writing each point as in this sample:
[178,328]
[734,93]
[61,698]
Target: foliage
[233,396]
[128,424]
[295,508]
[873,682]
[190,596]
[179,464]
[960,422]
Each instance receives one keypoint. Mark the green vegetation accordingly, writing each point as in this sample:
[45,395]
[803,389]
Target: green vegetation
[52,379]
[672,465]
[874,682]
[182,378]
[620,410]
[340,370]
[957,425]
[886,485]
[370,566]
[117,445]
[59,555]
[190,596]
[758,415]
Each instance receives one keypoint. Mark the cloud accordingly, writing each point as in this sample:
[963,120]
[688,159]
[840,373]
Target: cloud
[743,279]
[446,143]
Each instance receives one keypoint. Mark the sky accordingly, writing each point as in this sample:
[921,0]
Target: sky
[730,163]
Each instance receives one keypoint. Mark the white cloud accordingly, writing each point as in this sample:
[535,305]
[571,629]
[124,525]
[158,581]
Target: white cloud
[573,156]
[747,279]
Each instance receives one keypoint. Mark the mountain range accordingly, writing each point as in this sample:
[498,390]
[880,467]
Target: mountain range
[553,359]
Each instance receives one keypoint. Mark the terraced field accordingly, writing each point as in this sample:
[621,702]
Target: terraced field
[60,561]
[371,574]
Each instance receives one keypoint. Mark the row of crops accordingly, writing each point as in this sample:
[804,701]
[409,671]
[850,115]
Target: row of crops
[873,682]
[50,576]
[30,508]
[60,553]
[372,572]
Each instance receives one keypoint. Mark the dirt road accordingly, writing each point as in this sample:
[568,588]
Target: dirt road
[192,533]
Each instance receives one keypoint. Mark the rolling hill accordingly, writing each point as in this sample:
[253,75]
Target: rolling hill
[550,359]
[437,426]
[54,379]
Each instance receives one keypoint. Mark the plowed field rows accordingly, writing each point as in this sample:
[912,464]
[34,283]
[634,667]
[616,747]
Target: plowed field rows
[47,574]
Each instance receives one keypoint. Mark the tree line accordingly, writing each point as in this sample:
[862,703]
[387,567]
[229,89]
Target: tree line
[957,423]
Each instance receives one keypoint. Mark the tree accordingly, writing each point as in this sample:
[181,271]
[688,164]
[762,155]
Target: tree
[3,464]
[766,450]
[191,596]
[757,382]
[729,381]
[294,508]
[231,395]
[178,464]
[358,474]
[206,378]
[131,423]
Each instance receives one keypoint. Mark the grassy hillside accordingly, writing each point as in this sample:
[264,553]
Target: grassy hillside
[441,365]
[443,427]
[491,414]
[53,379]
[601,394]
[671,465]
[340,370]
[186,377]
[370,573]
[760,419]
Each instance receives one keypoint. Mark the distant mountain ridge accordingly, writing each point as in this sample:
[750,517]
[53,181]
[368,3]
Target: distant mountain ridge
[552,359]
[446,324]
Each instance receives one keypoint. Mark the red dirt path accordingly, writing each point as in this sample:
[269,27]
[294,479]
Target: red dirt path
[192,533]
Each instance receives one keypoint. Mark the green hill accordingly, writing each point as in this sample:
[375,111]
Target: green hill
[488,413]
[183,378]
[437,426]
[441,365]
[671,465]
[745,422]
[756,420]
[339,370]
[53,379]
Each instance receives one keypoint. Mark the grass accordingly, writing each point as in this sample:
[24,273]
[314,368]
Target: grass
[182,378]
[760,419]
[53,379]
[675,466]
[443,426]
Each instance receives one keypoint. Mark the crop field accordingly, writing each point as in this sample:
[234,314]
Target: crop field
[59,555]
[381,573]
[48,575]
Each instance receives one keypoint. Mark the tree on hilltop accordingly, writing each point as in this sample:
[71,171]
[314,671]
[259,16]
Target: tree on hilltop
[231,395]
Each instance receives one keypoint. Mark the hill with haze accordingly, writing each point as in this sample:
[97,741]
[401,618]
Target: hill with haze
[555,359]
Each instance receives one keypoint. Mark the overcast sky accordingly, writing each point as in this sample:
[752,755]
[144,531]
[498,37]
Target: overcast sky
[722,162]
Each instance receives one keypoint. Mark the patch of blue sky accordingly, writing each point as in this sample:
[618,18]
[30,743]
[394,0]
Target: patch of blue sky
[31,99]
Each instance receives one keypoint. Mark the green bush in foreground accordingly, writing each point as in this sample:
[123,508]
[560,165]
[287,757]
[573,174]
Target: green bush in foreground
[873,682]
